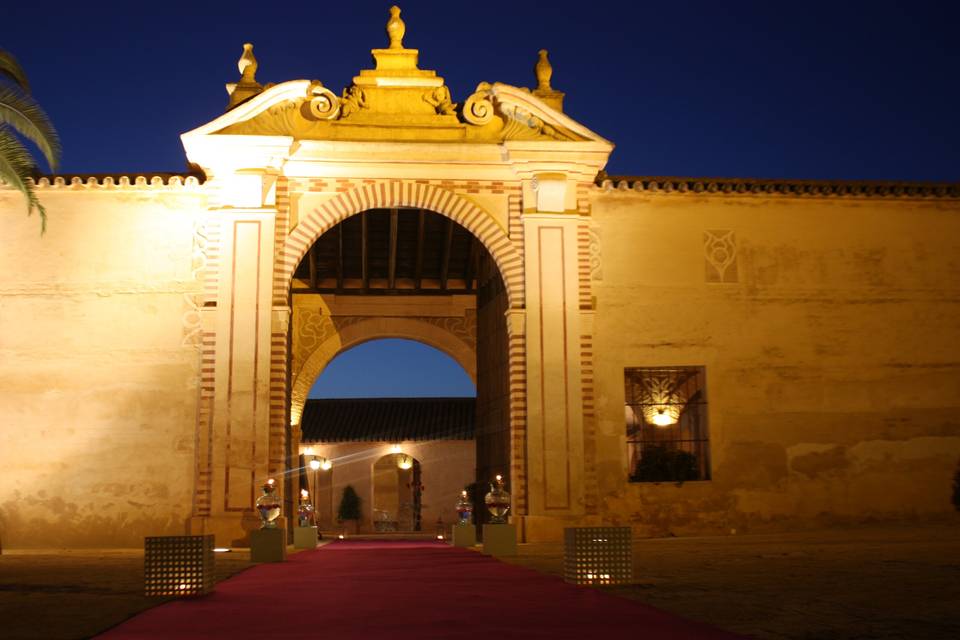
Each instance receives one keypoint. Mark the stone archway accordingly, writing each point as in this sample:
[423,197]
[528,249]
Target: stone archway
[395,193]
[506,255]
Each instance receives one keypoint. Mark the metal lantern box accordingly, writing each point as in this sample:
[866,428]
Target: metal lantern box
[597,555]
[178,565]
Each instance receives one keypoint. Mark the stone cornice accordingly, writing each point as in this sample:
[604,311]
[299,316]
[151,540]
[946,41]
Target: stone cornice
[186,181]
[787,188]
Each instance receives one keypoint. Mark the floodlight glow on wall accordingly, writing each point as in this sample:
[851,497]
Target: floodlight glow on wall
[395,448]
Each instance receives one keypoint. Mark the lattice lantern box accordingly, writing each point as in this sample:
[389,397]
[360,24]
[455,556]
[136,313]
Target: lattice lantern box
[178,565]
[597,555]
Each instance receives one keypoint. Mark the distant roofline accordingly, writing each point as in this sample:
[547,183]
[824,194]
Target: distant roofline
[763,186]
[329,420]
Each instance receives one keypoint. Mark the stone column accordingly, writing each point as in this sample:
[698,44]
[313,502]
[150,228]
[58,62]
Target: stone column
[555,424]
[244,323]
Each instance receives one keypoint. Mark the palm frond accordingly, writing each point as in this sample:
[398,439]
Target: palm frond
[21,112]
[16,169]
[10,68]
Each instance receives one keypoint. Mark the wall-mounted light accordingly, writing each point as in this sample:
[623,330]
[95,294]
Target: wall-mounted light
[395,448]
[319,462]
[405,462]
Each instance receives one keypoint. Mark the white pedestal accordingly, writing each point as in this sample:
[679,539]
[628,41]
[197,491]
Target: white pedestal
[500,539]
[268,545]
[464,535]
[304,537]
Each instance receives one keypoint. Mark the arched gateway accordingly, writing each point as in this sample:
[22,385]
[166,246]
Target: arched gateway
[674,354]
[290,162]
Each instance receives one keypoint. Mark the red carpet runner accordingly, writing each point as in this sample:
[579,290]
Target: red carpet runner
[399,591]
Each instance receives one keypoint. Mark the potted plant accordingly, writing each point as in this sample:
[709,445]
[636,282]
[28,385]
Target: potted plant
[663,464]
[349,511]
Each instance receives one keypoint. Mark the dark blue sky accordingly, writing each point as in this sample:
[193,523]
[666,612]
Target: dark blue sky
[757,89]
[392,369]
[844,90]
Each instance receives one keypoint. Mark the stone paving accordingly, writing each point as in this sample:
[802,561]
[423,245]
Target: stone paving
[865,582]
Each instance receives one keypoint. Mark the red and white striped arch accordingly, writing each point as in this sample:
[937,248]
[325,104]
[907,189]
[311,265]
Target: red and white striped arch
[401,193]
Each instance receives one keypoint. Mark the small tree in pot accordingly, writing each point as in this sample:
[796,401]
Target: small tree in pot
[349,510]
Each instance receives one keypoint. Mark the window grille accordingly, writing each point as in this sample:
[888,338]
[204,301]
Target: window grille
[666,417]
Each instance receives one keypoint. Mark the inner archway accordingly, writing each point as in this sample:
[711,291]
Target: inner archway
[406,451]
[397,493]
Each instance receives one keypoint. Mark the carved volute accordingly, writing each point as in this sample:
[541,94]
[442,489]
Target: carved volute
[396,28]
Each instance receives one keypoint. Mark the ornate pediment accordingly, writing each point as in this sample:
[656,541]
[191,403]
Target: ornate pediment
[396,101]
[494,113]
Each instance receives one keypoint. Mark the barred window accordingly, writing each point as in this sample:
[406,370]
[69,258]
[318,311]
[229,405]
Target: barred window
[666,414]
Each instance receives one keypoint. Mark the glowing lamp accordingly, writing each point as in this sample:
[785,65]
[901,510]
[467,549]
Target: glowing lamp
[325,464]
[597,555]
[178,566]
[405,462]
[304,494]
[308,452]
[664,417]
[315,464]
[395,449]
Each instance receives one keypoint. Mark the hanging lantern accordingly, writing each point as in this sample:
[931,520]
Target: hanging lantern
[663,400]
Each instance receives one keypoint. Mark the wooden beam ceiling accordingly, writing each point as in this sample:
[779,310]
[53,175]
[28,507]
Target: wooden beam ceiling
[392,252]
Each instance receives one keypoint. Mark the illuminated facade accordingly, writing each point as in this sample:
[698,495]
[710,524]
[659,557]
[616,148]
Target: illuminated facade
[159,341]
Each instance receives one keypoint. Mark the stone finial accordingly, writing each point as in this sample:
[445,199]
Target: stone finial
[248,86]
[396,28]
[247,64]
[544,91]
[544,71]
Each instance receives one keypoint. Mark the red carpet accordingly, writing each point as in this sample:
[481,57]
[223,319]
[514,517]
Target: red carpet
[404,590]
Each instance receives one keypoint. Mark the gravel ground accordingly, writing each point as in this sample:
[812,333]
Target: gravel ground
[866,582]
[65,594]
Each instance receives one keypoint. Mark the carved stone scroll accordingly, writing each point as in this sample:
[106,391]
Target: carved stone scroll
[324,104]
[478,109]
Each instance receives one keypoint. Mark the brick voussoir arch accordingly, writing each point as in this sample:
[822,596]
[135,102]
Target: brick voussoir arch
[395,193]
[376,328]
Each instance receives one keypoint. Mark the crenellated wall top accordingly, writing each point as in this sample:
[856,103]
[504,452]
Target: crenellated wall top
[153,181]
[785,188]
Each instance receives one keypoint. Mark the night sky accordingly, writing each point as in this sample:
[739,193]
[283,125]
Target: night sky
[842,90]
